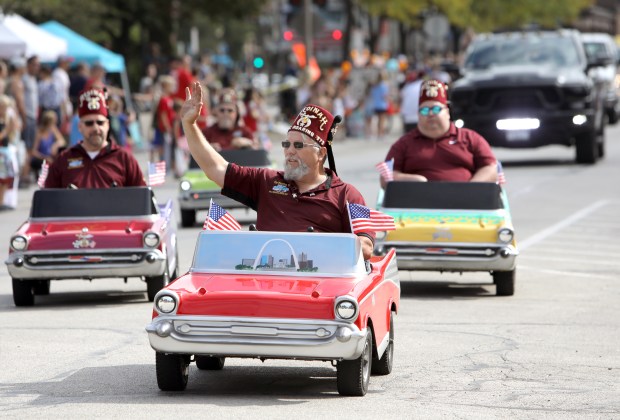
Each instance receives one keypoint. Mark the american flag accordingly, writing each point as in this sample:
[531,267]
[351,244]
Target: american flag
[364,219]
[43,174]
[501,178]
[386,169]
[157,173]
[220,219]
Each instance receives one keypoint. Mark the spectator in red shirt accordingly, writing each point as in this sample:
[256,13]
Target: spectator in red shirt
[95,162]
[227,133]
[163,119]
[181,70]
[436,150]
[304,195]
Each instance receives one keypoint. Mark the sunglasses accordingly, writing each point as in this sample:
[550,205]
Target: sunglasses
[298,144]
[91,123]
[431,110]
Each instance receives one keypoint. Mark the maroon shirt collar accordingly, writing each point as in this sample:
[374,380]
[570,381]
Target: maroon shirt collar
[111,147]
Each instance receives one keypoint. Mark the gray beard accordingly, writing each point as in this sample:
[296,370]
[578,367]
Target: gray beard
[295,174]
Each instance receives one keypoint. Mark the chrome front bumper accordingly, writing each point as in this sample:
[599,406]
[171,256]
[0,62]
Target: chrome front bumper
[86,264]
[270,338]
[452,257]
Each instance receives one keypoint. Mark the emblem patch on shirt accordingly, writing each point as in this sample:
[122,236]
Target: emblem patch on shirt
[279,188]
[75,163]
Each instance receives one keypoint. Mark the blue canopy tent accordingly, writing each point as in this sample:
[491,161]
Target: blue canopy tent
[83,49]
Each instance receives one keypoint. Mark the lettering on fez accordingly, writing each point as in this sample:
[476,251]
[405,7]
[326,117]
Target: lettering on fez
[322,118]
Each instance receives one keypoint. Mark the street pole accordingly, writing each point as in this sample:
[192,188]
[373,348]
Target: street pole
[308,35]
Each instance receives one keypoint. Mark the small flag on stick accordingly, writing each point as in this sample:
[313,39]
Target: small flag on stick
[501,177]
[43,174]
[386,169]
[364,219]
[157,173]
[220,219]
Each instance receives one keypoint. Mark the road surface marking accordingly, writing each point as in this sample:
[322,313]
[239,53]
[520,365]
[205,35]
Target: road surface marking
[545,233]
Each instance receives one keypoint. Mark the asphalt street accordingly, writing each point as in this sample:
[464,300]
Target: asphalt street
[550,351]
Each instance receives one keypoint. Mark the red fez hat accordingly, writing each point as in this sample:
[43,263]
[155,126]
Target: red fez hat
[93,101]
[317,123]
[434,90]
[227,96]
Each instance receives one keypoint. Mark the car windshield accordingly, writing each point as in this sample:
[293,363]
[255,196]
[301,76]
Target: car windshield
[283,253]
[96,202]
[522,50]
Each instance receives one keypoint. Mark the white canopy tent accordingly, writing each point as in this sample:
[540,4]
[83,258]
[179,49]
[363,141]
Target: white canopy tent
[10,45]
[20,37]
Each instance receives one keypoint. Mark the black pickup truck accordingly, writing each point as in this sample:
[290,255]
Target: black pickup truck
[531,89]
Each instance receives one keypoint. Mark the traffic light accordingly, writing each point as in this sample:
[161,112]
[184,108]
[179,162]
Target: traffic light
[288,35]
[258,62]
[336,34]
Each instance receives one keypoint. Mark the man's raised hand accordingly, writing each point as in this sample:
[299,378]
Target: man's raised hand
[193,103]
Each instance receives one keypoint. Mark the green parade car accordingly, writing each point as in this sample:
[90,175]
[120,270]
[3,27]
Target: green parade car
[196,190]
[451,227]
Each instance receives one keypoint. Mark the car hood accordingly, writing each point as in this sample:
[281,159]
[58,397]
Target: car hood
[199,180]
[447,227]
[259,296]
[521,75]
[102,234]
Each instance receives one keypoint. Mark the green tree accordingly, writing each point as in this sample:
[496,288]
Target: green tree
[482,16]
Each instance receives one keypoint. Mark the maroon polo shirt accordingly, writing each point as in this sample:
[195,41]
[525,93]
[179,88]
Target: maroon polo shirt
[282,208]
[113,166]
[224,138]
[454,157]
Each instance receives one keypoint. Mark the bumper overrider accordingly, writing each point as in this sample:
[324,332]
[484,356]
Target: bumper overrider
[86,264]
[270,338]
[452,257]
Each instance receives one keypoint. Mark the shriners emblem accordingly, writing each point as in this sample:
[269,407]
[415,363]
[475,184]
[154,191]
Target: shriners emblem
[304,120]
[432,90]
[93,100]
[84,240]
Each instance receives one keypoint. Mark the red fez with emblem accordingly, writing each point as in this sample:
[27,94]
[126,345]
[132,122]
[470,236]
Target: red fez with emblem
[433,90]
[320,125]
[93,101]
[227,96]
[317,123]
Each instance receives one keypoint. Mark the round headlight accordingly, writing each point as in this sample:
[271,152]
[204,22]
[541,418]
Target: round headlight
[166,304]
[505,235]
[381,235]
[151,239]
[186,185]
[346,309]
[19,243]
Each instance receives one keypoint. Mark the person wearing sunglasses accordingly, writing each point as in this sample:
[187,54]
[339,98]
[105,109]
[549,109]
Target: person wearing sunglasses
[227,132]
[436,150]
[96,161]
[304,196]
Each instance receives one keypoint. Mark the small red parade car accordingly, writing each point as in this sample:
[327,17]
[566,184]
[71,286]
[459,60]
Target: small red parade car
[93,233]
[276,295]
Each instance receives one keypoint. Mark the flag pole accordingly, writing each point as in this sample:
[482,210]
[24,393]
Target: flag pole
[209,214]
[349,213]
